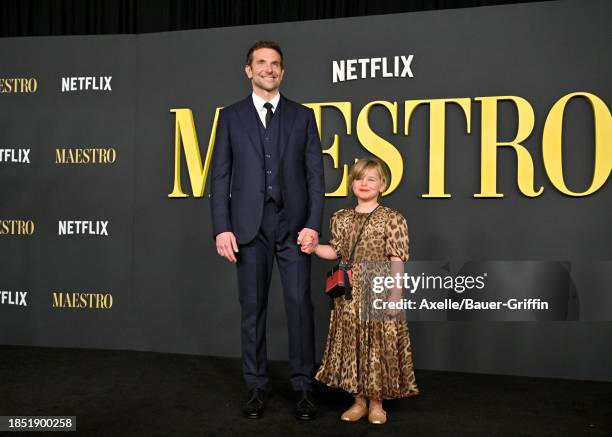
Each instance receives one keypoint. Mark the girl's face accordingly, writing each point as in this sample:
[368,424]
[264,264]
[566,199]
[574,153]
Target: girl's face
[368,186]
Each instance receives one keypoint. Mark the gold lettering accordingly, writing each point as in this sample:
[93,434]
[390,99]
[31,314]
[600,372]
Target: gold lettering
[185,134]
[186,138]
[18,85]
[490,144]
[437,129]
[60,156]
[16,227]
[85,156]
[82,300]
[552,139]
[333,150]
[378,145]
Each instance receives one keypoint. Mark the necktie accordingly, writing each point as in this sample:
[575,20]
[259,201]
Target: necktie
[269,107]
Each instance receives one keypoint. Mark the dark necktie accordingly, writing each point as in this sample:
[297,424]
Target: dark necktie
[269,107]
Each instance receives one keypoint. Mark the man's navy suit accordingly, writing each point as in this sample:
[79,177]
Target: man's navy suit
[266,185]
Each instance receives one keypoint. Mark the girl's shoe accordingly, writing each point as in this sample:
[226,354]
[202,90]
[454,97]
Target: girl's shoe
[356,412]
[377,416]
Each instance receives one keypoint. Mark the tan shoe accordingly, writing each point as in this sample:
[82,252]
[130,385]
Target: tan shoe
[377,416]
[356,412]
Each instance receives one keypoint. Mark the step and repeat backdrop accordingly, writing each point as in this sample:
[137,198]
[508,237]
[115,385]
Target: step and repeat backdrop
[494,123]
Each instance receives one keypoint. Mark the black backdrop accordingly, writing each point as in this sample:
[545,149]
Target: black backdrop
[94,17]
[172,285]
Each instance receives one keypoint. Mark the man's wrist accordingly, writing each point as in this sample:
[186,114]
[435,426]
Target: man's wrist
[222,232]
[313,227]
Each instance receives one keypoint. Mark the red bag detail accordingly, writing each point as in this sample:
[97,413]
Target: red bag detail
[336,279]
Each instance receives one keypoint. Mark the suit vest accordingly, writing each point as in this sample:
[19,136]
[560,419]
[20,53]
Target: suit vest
[270,144]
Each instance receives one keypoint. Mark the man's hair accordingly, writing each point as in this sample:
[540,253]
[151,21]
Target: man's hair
[264,45]
[360,167]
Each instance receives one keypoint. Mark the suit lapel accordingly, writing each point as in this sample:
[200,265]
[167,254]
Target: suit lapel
[288,114]
[247,114]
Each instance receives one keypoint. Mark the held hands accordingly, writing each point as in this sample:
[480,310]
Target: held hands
[226,245]
[308,239]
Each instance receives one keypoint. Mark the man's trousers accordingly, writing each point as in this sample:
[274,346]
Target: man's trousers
[254,265]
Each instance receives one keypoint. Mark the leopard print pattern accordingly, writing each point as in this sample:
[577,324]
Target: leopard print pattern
[372,358]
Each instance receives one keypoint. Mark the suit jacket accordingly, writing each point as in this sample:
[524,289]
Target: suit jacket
[238,174]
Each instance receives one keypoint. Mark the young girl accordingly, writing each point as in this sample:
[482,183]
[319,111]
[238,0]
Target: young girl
[370,359]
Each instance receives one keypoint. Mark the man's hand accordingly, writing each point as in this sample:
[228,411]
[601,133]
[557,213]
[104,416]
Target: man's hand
[226,245]
[308,239]
[306,244]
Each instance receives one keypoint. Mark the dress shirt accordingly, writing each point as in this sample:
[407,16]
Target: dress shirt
[259,106]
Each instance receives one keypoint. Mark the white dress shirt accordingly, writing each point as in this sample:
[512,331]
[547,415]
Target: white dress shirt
[259,106]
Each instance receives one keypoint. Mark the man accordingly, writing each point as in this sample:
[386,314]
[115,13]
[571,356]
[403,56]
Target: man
[267,195]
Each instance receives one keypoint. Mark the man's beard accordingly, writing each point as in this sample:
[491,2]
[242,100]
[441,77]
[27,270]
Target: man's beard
[268,86]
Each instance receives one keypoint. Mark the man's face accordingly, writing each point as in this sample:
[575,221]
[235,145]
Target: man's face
[265,70]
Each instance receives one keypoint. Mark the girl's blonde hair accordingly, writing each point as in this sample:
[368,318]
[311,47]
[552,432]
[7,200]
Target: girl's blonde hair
[359,169]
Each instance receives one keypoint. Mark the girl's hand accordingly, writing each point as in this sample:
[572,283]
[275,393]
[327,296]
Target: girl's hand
[305,244]
[395,296]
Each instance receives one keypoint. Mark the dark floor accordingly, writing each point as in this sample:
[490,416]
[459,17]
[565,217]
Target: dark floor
[116,393]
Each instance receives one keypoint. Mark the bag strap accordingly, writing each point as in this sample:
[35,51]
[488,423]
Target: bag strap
[359,235]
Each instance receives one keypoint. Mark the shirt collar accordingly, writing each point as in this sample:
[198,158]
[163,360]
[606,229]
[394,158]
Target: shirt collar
[259,102]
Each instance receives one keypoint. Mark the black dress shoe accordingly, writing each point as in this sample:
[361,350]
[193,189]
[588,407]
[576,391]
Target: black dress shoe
[305,408]
[253,408]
